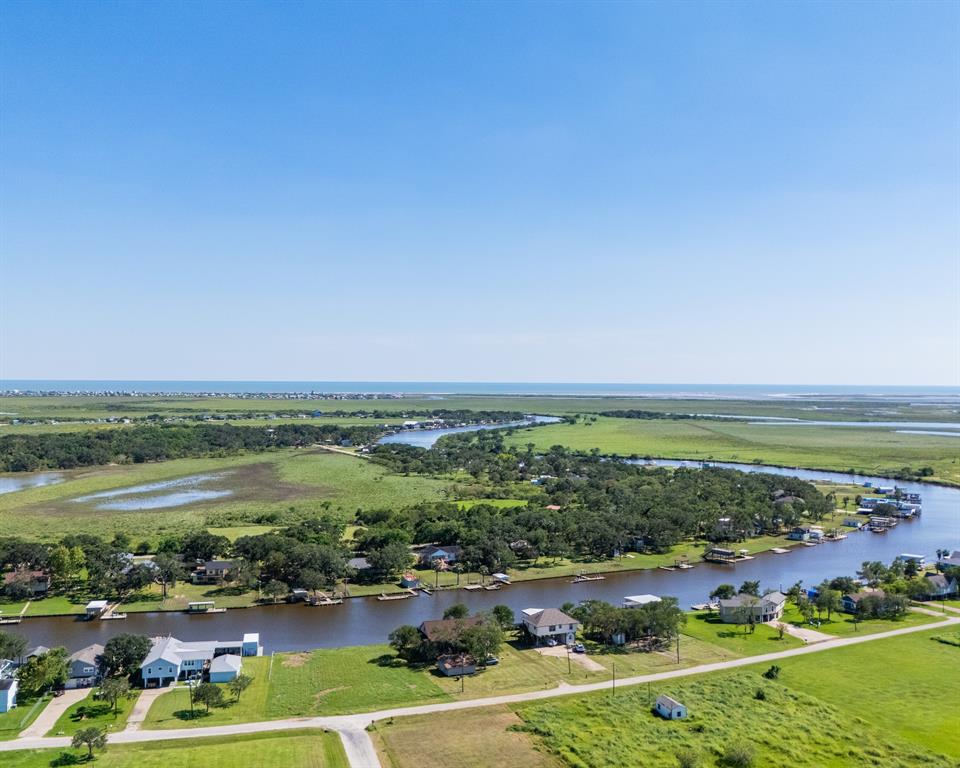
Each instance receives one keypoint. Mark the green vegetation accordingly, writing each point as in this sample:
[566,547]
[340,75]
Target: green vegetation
[850,711]
[870,450]
[736,641]
[94,712]
[290,749]
[322,682]
[842,624]
[18,718]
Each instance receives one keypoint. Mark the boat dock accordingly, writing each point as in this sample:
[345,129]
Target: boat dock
[401,596]
[583,577]
[111,613]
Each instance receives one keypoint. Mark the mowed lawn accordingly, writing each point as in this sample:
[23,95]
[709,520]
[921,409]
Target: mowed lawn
[842,624]
[867,450]
[289,749]
[14,721]
[322,682]
[733,641]
[93,712]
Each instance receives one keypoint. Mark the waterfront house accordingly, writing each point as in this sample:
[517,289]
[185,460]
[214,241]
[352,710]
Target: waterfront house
[544,624]
[920,560]
[635,601]
[953,560]
[850,603]
[430,554]
[409,580]
[799,533]
[742,607]
[670,708]
[8,693]
[37,582]
[940,585]
[171,659]
[214,572]
[225,668]
[83,666]
[457,665]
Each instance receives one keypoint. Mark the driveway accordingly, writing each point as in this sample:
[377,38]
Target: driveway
[807,635]
[582,659]
[51,713]
[139,712]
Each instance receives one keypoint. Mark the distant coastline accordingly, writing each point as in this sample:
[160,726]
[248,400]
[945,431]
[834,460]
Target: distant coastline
[771,392]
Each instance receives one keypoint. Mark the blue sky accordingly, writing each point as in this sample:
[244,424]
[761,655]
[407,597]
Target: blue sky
[679,192]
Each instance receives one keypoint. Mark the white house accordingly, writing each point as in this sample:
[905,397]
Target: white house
[670,708]
[225,668]
[763,609]
[544,623]
[635,601]
[8,693]
[171,659]
[920,560]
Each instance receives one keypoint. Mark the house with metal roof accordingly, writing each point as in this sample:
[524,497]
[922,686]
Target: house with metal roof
[669,708]
[225,668]
[742,608]
[171,659]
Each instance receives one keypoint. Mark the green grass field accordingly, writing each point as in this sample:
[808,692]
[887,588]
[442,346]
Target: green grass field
[91,712]
[18,718]
[322,682]
[842,708]
[290,749]
[866,450]
[842,624]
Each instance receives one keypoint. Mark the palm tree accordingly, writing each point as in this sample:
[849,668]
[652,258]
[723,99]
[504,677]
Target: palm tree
[458,569]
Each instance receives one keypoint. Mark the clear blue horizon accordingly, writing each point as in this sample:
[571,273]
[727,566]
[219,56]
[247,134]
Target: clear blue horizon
[614,192]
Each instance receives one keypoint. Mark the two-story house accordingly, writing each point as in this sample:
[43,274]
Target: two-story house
[544,624]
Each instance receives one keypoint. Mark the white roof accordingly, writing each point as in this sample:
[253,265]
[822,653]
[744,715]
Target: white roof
[531,611]
[97,604]
[252,637]
[641,599]
[226,663]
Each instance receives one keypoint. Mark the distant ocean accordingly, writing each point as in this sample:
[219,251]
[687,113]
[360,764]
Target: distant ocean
[681,391]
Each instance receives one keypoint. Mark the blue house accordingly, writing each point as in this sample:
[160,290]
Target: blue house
[8,693]
[171,659]
[225,668]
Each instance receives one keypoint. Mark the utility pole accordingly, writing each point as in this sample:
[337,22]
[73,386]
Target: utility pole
[568,659]
[614,679]
[678,646]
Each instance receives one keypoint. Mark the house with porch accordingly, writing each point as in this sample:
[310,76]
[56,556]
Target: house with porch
[940,585]
[850,603]
[214,572]
[742,608]
[83,667]
[171,659]
[544,624]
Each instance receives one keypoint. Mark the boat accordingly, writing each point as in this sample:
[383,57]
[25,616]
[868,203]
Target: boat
[667,567]
[780,551]
[473,587]
[400,596]
[492,587]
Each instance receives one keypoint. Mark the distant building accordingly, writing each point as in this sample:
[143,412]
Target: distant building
[38,582]
[84,666]
[635,601]
[214,572]
[457,665]
[431,554]
[850,603]
[940,585]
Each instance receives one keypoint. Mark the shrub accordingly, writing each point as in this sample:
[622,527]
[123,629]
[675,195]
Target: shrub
[687,758]
[773,673]
[738,755]
[760,695]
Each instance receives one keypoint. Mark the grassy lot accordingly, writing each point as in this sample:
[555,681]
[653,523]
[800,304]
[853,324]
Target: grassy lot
[849,707]
[289,483]
[319,683]
[91,712]
[867,450]
[843,624]
[474,738]
[290,749]
[734,641]
[18,718]
[839,708]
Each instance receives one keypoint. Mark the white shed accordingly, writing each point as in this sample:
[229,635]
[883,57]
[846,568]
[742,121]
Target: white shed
[670,708]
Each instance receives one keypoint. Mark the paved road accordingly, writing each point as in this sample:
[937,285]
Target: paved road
[357,742]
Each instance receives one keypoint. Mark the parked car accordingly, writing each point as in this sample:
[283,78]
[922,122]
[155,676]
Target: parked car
[579,648]
[551,641]
[492,661]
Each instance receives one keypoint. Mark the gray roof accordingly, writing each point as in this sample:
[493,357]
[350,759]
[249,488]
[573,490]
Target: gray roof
[226,663]
[668,702]
[219,564]
[358,563]
[548,617]
[7,683]
[36,651]
[88,655]
[774,599]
